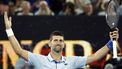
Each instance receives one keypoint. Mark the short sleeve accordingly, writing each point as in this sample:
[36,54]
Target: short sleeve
[80,61]
[20,63]
[32,58]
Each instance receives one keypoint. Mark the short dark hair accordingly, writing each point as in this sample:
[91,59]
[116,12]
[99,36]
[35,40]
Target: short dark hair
[56,33]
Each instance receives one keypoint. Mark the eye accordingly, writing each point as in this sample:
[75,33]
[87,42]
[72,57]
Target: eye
[55,40]
[61,40]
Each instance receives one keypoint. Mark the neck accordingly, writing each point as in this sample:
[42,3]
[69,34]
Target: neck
[56,56]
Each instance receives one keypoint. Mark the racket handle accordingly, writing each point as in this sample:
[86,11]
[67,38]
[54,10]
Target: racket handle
[114,29]
[112,46]
[114,49]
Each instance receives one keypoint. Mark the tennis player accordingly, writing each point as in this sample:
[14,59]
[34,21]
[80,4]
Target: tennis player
[55,60]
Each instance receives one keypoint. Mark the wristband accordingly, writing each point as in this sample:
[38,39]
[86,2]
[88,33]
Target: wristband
[9,32]
[110,45]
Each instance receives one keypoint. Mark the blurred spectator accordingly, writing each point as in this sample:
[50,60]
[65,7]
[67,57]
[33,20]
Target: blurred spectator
[3,7]
[68,9]
[96,5]
[31,1]
[83,7]
[18,7]
[26,7]
[102,7]
[44,9]
[11,8]
[56,5]
[120,9]
[35,6]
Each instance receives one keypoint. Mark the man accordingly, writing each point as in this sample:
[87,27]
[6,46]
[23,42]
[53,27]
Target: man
[55,60]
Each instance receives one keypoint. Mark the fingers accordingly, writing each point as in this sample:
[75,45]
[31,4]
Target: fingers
[7,21]
[114,34]
[10,19]
[5,16]
[116,29]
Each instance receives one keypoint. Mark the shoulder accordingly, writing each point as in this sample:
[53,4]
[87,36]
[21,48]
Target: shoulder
[34,58]
[35,55]
[76,58]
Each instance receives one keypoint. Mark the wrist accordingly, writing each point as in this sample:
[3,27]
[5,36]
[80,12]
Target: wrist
[9,32]
[110,45]
[8,28]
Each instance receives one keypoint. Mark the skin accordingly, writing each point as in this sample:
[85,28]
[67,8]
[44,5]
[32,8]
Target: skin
[56,44]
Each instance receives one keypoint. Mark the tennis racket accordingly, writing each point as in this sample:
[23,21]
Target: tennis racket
[112,17]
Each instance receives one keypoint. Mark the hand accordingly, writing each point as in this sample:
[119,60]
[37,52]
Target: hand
[114,34]
[7,21]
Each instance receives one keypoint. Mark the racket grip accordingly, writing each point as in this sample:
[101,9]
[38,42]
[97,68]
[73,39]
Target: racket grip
[114,29]
[110,45]
[114,49]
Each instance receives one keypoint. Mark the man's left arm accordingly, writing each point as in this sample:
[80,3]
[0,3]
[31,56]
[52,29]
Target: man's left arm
[105,49]
[98,55]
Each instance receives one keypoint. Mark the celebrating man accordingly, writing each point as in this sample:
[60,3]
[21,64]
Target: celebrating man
[55,60]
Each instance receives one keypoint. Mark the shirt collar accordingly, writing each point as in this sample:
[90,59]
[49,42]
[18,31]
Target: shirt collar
[51,59]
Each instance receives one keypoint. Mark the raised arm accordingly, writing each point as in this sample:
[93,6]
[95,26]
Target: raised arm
[14,43]
[104,50]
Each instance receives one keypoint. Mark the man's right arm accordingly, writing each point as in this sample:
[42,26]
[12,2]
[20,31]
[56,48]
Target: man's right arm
[17,48]
[15,44]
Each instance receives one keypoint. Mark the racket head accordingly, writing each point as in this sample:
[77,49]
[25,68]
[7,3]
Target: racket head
[112,13]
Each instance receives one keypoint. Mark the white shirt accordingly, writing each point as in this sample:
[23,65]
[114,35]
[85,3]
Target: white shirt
[47,62]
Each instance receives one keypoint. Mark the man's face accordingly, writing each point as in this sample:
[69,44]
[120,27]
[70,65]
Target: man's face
[57,43]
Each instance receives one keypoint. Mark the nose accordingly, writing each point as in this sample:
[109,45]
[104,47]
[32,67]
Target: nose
[58,42]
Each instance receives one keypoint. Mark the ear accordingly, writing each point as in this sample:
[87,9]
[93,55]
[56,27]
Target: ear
[64,45]
[49,44]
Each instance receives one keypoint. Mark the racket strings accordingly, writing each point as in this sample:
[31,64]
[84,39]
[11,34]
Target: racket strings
[112,14]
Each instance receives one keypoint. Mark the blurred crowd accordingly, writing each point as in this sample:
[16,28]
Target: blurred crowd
[55,7]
